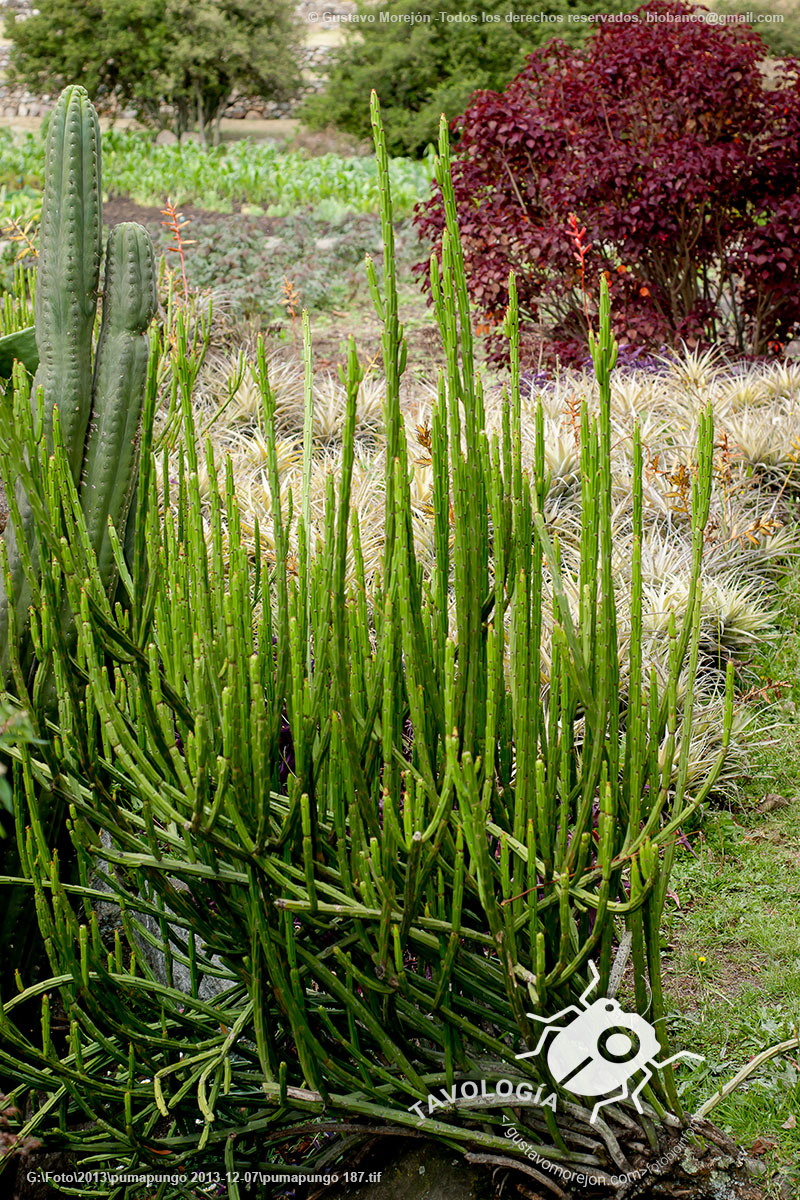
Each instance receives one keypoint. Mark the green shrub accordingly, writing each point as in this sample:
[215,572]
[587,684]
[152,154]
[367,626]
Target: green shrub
[777,21]
[426,57]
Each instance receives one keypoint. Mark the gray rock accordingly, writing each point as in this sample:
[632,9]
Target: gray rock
[108,921]
[165,137]
[208,986]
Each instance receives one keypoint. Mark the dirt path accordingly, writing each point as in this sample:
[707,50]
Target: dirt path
[279,129]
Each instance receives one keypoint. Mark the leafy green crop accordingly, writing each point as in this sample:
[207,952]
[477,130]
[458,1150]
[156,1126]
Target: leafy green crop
[242,172]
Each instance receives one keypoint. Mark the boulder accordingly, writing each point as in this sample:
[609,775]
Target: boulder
[108,919]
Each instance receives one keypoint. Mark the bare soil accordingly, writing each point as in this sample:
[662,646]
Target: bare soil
[119,208]
[278,129]
[331,328]
[409,1167]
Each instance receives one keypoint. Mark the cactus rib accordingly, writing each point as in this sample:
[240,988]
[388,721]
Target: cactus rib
[108,475]
[66,301]
[69,268]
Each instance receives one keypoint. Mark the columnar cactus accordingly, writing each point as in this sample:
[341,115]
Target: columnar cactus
[99,405]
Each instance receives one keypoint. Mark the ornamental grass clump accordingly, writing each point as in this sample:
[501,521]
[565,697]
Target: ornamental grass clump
[354,861]
[749,534]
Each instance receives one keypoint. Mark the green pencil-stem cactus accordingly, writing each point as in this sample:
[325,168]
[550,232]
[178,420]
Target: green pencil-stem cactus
[99,402]
[383,912]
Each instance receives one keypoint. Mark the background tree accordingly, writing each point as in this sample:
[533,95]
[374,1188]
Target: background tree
[423,68]
[194,57]
[221,50]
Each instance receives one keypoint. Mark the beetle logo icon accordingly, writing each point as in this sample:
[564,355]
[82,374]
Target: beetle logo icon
[601,1049]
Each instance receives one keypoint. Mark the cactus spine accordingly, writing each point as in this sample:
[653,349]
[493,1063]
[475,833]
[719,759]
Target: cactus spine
[107,401]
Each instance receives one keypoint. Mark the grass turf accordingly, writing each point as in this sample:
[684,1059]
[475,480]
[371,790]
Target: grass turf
[732,934]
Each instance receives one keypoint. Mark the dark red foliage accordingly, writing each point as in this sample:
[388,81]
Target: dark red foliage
[663,140]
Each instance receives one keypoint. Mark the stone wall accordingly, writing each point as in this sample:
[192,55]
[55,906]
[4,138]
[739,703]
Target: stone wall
[320,36]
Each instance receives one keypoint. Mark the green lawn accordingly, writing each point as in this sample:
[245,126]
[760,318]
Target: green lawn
[732,936]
